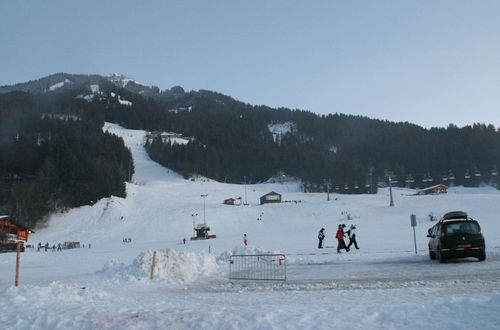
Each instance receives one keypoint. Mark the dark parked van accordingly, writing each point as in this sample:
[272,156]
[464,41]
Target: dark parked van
[456,236]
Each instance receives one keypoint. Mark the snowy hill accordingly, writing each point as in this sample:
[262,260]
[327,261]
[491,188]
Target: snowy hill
[382,285]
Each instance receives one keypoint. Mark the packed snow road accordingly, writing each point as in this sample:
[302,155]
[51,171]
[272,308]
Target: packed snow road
[398,272]
[405,291]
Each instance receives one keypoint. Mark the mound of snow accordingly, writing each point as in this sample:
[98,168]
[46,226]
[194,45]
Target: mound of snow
[241,250]
[170,265]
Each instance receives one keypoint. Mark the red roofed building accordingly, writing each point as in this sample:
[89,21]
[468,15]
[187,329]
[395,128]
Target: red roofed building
[12,231]
[437,189]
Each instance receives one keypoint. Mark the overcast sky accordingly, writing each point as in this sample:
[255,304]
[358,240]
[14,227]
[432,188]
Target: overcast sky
[429,62]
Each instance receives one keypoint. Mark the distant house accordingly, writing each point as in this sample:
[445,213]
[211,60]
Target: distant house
[167,137]
[229,201]
[232,201]
[13,232]
[437,189]
[272,197]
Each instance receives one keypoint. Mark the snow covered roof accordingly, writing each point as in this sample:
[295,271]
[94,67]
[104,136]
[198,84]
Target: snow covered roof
[272,193]
[437,188]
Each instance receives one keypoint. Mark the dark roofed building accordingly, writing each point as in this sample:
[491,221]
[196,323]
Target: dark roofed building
[272,197]
[229,201]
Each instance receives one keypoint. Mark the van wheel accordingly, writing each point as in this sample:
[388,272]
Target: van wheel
[481,257]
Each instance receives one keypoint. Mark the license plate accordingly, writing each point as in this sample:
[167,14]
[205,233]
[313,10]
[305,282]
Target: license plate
[465,245]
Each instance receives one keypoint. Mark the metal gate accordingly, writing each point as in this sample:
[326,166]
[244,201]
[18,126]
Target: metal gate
[264,267]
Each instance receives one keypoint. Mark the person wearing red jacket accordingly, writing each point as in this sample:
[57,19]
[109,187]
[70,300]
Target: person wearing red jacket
[340,238]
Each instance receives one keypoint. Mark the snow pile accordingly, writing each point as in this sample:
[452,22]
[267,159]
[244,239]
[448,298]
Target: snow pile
[242,250]
[170,265]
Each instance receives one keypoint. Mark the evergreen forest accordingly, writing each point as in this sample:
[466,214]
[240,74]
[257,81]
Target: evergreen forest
[54,154]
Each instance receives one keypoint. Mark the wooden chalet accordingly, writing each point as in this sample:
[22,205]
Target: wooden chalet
[229,201]
[232,201]
[437,189]
[272,197]
[13,231]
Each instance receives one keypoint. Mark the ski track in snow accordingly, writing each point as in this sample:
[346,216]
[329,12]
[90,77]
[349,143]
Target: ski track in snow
[385,285]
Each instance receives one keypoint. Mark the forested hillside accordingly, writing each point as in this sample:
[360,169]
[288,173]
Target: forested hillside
[55,155]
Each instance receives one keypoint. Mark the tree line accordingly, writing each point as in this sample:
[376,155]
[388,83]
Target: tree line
[233,141]
[54,155]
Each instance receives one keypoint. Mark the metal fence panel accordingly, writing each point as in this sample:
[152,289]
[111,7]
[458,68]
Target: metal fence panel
[265,267]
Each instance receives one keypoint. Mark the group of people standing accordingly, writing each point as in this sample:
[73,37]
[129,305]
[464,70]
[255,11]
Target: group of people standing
[351,233]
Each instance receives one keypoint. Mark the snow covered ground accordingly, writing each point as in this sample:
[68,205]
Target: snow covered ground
[384,285]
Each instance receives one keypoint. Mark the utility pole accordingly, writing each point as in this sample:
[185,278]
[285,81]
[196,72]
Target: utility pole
[204,219]
[390,191]
[18,262]
[327,183]
[245,182]
[371,180]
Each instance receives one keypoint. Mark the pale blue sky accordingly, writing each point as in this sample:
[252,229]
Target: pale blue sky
[429,62]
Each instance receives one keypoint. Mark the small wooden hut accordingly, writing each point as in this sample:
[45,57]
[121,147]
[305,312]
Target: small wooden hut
[437,189]
[272,197]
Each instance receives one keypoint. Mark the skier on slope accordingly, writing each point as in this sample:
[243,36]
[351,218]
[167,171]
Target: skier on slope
[321,237]
[352,237]
[340,238]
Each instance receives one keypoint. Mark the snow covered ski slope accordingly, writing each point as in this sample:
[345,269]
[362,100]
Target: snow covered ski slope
[383,285]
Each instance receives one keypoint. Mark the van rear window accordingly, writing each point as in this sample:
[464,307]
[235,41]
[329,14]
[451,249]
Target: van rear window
[458,228]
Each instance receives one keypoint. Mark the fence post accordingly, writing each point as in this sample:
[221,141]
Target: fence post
[413,222]
[153,264]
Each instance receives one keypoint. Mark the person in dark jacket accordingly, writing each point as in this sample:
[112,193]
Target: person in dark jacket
[352,237]
[340,238]
[321,237]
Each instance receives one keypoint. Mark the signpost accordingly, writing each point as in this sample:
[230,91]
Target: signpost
[413,222]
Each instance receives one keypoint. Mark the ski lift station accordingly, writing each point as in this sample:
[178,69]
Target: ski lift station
[201,231]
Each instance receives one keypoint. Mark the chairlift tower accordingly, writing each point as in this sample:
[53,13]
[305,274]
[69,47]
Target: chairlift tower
[391,203]
[327,183]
